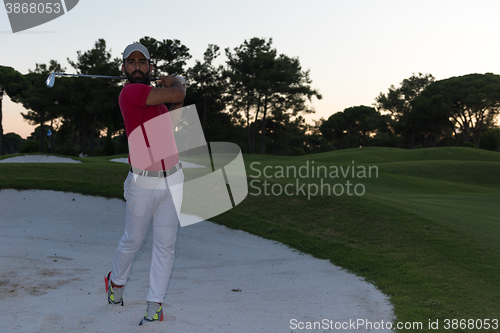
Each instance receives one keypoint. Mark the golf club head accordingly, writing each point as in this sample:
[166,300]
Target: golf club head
[50,80]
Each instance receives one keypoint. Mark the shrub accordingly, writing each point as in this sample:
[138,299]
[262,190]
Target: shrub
[491,139]
[29,146]
[12,142]
[67,150]
[297,151]
[469,145]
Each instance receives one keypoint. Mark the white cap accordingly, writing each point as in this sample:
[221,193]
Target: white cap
[135,47]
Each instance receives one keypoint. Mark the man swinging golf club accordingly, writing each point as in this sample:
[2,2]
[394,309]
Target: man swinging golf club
[154,192]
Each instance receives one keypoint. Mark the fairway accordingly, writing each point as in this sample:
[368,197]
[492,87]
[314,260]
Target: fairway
[425,231]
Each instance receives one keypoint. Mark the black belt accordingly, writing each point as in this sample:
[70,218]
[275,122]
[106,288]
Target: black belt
[157,174]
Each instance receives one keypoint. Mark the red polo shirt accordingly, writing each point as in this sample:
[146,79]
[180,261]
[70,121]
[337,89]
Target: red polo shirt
[136,114]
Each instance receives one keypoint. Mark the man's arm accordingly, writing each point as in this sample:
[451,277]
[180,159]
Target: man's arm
[172,92]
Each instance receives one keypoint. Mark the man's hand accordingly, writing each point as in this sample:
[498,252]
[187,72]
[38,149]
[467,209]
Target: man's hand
[170,81]
[173,92]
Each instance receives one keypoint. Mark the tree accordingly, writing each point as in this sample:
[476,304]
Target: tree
[316,142]
[98,108]
[361,120]
[241,73]
[261,82]
[12,142]
[429,118]
[397,101]
[12,83]
[491,139]
[469,101]
[335,127]
[287,135]
[167,56]
[355,122]
[286,90]
[41,102]
[206,84]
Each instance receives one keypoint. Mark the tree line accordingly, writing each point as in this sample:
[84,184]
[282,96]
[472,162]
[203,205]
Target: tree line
[257,99]
[257,92]
[423,112]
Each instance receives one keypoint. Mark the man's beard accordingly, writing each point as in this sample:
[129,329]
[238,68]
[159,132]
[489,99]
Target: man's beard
[144,78]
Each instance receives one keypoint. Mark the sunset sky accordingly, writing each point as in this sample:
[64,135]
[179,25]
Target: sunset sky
[353,49]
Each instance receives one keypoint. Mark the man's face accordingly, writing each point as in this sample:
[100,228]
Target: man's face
[137,68]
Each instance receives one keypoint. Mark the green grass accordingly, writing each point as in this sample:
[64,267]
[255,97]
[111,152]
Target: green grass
[426,232]
[94,176]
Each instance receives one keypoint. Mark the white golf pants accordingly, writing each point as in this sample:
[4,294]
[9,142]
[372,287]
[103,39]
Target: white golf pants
[149,198]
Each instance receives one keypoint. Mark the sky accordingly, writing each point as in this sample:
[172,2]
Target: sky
[354,50]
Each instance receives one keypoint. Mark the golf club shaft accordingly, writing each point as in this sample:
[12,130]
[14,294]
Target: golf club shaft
[92,76]
[51,79]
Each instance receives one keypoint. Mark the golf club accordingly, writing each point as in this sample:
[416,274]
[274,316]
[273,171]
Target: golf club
[52,78]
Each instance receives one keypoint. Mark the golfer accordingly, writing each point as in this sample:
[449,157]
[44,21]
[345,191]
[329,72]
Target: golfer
[154,192]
